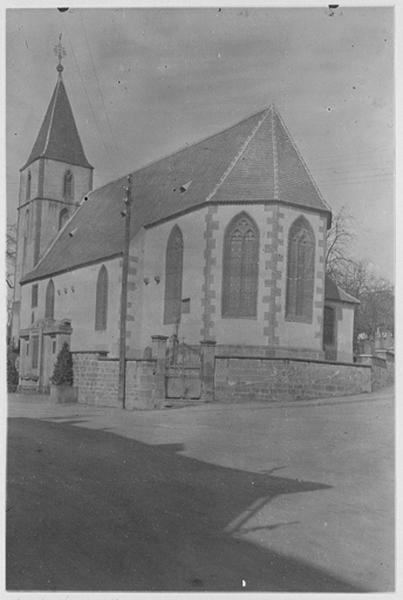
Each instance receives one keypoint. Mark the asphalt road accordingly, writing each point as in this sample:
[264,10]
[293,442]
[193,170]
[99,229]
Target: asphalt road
[88,510]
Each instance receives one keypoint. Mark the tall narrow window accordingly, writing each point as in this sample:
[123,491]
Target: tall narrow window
[25,238]
[63,216]
[28,187]
[35,351]
[240,268]
[68,185]
[300,271]
[34,296]
[173,277]
[50,300]
[101,302]
[328,326]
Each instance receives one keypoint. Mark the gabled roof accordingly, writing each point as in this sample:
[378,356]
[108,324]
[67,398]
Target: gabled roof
[58,136]
[337,294]
[253,161]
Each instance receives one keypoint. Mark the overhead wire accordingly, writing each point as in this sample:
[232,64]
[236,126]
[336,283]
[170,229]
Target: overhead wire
[98,84]
[86,93]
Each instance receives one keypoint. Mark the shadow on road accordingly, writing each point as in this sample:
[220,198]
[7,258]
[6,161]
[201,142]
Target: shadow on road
[90,510]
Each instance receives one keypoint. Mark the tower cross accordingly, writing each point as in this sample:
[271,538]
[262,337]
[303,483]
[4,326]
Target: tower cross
[60,52]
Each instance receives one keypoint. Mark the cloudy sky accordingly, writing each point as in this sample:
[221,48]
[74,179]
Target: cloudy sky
[145,82]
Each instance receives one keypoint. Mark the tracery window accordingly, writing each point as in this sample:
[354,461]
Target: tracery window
[50,300]
[101,302]
[300,271]
[173,277]
[68,185]
[240,268]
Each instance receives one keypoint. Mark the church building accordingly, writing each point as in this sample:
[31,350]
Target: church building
[227,244]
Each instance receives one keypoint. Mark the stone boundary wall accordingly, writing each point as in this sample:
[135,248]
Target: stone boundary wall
[141,392]
[383,370]
[97,377]
[270,380]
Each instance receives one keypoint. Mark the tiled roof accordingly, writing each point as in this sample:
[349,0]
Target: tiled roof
[254,160]
[337,294]
[58,136]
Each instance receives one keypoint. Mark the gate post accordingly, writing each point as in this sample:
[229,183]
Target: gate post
[159,346]
[207,370]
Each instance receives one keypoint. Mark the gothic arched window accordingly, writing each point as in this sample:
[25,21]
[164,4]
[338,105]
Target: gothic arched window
[50,300]
[101,302]
[28,187]
[173,277]
[300,271]
[68,185]
[240,268]
[63,216]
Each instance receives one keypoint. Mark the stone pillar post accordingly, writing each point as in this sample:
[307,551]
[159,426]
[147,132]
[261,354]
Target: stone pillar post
[207,370]
[159,346]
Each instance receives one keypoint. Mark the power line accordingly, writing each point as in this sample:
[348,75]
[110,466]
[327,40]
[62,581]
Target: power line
[99,86]
[85,90]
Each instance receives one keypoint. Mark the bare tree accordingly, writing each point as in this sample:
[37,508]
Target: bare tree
[11,254]
[376,295]
[339,238]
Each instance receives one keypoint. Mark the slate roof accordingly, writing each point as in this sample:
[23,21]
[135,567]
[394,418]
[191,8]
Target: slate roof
[58,136]
[254,160]
[337,294]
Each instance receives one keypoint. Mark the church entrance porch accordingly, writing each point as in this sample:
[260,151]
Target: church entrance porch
[40,345]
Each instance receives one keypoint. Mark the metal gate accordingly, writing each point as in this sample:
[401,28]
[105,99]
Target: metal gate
[183,377]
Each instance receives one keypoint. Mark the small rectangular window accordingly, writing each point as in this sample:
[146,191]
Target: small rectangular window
[185,305]
[34,296]
[27,351]
[53,345]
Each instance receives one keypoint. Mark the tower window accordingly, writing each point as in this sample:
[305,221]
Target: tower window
[173,277]
[101,301]
[25,238]
[63,217]
[34,296]
[50,300]
[240,268]
[300,271]
[68,186]
[28,187]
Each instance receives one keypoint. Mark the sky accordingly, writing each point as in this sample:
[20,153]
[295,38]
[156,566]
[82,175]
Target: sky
[144,82]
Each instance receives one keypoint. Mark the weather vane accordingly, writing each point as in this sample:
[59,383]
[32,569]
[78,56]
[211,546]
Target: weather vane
[60,53]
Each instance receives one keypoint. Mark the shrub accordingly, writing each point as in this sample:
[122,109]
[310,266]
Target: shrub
[63,371]
[12,376]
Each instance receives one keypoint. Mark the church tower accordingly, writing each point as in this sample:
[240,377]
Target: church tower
[53,181]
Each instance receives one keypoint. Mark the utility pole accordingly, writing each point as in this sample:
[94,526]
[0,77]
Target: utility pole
[123,297]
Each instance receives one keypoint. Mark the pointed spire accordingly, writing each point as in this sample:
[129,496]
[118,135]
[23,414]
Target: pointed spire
[58,136]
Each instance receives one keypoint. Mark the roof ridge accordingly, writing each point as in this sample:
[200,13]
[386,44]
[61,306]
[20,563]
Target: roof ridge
[49,248]
[275,153]
[52,114]
[181,149]
[237,157]
[301,158]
